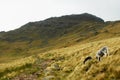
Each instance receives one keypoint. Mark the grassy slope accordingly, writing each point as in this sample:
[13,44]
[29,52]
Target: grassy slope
[72,67]
[66,55]
[67,63]
[10,50]
[41,36]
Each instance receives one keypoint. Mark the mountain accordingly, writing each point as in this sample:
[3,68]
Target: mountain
[53,33]
[48,34]
[55,48]
[48,28]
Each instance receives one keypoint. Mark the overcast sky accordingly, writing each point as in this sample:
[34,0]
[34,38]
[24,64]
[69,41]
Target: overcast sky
[15,13]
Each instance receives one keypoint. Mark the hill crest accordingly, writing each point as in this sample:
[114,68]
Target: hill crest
[54,33]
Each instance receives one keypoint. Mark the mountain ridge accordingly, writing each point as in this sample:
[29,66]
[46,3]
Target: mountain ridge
[55,32]
[55,49]
[52,24]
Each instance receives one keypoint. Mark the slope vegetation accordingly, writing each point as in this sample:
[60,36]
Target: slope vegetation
[55,48]
[41,36]
[67,64]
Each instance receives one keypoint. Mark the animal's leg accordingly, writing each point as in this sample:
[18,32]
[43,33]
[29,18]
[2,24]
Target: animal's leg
[99,58]
[105,54]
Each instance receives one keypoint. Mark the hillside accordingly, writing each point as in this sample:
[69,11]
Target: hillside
[41,36]
[54,49]
[35,37]
[49,28]
[67,64]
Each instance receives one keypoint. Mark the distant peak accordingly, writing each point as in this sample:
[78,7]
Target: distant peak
[79,17]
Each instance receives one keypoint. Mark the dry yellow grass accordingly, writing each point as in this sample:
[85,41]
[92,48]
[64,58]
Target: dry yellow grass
[8,70]
[72,67]
[67,63]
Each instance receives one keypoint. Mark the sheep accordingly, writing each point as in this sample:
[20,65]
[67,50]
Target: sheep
[103,51]
[86,59]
